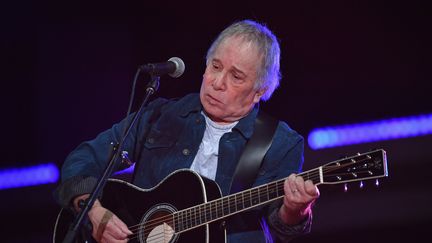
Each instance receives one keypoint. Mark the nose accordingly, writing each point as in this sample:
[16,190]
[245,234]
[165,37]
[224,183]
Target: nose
[219,82]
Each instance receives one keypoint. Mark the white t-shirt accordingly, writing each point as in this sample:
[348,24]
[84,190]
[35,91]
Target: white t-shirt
[205,162]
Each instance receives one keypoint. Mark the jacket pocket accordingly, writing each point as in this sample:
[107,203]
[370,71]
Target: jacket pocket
[157,139]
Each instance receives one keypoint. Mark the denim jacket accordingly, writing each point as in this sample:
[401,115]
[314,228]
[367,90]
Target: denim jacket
[166,138]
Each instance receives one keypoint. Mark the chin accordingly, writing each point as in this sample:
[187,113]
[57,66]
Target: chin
[214,113]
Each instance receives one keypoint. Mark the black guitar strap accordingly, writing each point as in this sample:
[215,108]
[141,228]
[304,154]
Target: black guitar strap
[254,152]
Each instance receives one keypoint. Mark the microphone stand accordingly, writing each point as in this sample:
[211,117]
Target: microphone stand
[82,218]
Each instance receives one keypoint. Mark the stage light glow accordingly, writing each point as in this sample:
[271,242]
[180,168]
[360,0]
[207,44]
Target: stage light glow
[395,128]
[128,170]
[28,176]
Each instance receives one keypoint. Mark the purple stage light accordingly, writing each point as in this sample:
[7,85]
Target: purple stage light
[28,176]
[395,128]
[128,170]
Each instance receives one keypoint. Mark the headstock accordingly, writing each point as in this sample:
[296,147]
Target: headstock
[360,167]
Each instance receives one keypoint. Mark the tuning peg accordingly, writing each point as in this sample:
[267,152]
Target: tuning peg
[377,182]
[345,187]
[361,185]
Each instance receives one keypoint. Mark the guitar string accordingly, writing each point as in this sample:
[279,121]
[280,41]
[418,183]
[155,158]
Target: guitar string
[187,219]
[220,207]
[158,236]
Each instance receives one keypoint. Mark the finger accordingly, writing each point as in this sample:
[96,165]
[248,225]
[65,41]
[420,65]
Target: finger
[300,185]
[109,238]
[311,189]
[286,186]
[122,226]
[292,188]
[114,230]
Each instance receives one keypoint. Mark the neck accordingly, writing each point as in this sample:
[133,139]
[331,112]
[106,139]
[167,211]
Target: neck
[226,121]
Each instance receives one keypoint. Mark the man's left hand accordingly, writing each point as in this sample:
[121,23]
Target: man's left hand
[298,199]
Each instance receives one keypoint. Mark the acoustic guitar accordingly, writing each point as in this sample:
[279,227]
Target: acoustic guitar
[185,207]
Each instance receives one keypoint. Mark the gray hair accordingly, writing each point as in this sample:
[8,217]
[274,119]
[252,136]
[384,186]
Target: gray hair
[266,42]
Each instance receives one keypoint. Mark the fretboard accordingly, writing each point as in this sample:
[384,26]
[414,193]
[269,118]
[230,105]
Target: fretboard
[205,213]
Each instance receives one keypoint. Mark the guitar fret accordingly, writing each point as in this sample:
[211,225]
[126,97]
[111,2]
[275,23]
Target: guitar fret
[202,215]
[226,208]
[274,190]
[185,219]
[221,208]
[239,202]
[216,209]
[181,223]
[277,188]
[232,204]
[213,211]
[182,220]
[262,194]
[280,188]
[208,212]
[243,200]
[255,196]
[176,223]
[247,199]
[197,215]
[188,221]
[193,218]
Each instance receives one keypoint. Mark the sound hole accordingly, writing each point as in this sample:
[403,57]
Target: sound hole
[157,225]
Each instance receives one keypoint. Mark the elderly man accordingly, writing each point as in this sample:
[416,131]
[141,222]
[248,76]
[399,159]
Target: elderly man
[206,133]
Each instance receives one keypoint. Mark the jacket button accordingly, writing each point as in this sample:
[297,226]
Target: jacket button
[186,152]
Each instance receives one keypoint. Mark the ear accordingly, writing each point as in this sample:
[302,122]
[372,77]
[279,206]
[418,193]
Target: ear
[258,94]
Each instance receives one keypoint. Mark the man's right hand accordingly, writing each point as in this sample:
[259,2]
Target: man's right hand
[107,227]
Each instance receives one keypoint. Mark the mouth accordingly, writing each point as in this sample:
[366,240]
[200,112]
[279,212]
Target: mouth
[213,100]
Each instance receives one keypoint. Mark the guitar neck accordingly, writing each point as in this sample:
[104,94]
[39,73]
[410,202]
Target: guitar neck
[235,203]
[364,166]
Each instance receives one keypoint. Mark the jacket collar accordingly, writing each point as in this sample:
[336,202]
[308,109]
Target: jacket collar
[192,105]
[245,125]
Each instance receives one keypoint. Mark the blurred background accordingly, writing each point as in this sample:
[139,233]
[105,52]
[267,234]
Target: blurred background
[67,71]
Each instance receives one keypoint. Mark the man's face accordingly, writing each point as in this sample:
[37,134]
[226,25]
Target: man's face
[227,91]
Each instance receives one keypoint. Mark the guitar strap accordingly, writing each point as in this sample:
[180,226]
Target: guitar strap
[254,152]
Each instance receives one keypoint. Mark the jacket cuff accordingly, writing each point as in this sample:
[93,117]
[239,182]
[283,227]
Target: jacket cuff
[286,232]
[73,187]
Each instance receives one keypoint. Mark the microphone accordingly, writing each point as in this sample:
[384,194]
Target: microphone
[174,67]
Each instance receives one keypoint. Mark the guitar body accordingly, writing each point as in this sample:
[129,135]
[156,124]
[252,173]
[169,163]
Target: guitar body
[148,212]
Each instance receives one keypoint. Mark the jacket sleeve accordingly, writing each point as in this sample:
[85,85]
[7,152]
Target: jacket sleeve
[284,158]
[84,165]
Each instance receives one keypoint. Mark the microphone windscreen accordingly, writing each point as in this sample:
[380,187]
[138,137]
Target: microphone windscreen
[180,67]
